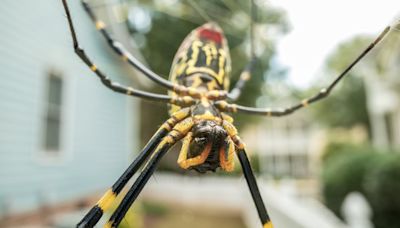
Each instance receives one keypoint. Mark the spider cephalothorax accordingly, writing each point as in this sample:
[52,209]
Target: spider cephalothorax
[209,139]
[198,89]
[207,145]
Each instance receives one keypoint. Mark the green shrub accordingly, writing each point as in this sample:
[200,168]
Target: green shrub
[382,188]
[343,174]
[348,168]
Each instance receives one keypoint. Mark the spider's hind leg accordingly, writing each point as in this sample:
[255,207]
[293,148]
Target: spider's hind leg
[245,75]
[116,87]
[120,50]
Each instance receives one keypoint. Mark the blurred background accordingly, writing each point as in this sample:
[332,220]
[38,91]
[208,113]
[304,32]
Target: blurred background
[65,138]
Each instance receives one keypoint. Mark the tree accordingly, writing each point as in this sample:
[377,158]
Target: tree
[347,105]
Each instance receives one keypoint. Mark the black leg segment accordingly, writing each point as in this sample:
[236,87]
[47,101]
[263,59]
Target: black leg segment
[137,187]
[121,50]
[323,93]
[255,192]
[94,215]
[116,87]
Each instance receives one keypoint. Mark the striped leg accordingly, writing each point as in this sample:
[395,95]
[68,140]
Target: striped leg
[185,162]
[182,158]
[121,50]
[255,192]
[179,131]
[137,187]
[227,154]
[94,215]
[104,79]
[224,106]
[234,94]
[246,73]
[248,173]
[118,48]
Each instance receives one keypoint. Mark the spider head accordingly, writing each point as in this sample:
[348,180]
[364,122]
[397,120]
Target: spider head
[208,139]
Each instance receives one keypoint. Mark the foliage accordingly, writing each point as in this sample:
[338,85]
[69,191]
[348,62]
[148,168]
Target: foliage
[382,189]
[336,149]
[375,174]
[343,172]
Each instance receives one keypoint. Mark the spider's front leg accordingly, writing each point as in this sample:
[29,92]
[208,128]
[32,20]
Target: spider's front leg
[248,174]
[176,134]
[94,215]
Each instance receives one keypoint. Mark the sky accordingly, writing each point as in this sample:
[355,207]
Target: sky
[317,27]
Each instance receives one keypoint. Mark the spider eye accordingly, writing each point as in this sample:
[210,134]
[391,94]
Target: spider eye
[202,134]
[200,140]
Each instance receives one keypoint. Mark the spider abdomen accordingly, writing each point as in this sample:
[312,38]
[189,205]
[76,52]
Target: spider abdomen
[203,60]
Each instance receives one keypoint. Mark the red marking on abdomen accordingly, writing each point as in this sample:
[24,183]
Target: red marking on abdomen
[209,34]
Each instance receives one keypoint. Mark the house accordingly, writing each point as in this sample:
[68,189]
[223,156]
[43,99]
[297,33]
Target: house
[64,136]
[381,79]
[286,147]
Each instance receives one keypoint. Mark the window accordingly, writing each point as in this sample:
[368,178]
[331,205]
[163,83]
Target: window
[52,114]
[289,165]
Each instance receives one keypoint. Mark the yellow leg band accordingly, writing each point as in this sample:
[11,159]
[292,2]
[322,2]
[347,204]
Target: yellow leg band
[100,25]
[106,201]
[268,225]
[108,225]
[93,67]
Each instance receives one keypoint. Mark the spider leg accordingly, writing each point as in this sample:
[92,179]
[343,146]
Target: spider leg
[227,155]
[121,50]
[245,75]
[128,57]
[179,131]
[184,150]
[255,192]
[104,79]
[185,162]
[94,215]
[248,174]
[224,106]
[137,187]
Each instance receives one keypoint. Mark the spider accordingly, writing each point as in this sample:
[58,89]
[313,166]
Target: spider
[198,95]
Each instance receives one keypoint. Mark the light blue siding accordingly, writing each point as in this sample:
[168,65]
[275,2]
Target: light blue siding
[98,125]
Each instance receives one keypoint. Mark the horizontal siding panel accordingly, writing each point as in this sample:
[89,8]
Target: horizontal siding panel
[96,143]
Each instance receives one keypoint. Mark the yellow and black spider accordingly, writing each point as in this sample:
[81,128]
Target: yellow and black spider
[199,90]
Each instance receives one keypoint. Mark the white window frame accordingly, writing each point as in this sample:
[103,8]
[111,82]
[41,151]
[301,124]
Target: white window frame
[46,157]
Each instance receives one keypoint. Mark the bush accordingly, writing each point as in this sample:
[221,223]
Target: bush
[333,150]
[344,173]
[376,175]
[382,188]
